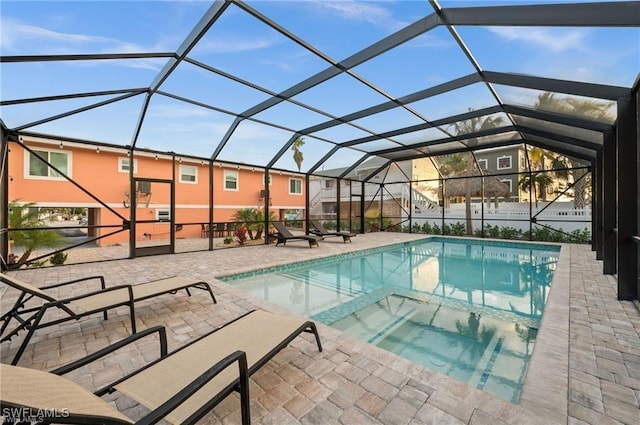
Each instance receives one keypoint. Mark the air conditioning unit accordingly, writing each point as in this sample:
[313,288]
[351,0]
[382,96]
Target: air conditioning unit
[144,186]
[263,194]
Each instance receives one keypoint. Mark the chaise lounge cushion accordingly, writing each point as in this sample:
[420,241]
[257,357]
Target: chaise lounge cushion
[37,390]
[259,334]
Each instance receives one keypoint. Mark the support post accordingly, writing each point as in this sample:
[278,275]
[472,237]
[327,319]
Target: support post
[596,209]
[628,197]
[4,199]
[338,202]
[609,204]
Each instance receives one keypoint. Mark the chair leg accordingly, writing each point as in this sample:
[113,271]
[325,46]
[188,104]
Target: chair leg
[32,328]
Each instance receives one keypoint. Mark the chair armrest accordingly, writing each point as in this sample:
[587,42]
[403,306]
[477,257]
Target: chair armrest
[76,281]
[175,401]
[113,347]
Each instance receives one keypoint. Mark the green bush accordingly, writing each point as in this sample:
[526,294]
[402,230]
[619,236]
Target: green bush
[458,229]
[58,258]
[426,228]
[435,229]
[509,232]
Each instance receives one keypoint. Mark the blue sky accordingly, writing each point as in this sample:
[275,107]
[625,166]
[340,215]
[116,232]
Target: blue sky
[241,45]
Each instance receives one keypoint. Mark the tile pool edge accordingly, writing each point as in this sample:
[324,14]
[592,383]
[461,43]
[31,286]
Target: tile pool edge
[435,238]
[546,387]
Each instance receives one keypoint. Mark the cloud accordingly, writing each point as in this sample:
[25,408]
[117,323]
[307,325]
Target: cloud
[234,44]
[17,37]
[359,11]
[555,40]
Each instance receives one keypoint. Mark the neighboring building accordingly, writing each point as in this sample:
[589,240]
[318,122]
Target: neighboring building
[507,162]
[102,187]
[397,198]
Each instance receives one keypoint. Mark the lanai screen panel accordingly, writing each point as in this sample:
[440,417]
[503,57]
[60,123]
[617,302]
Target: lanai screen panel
[429,59]
[389,120]
[594,137]
[312,150]
[341,95]
[600,110]
[471,97]
[254,143]
[592,55]
[192,82]
[247,48]
[362,23]
[185,128]
[291,115]
[112,123]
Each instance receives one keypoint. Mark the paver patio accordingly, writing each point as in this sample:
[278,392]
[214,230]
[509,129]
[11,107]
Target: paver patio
[585,366]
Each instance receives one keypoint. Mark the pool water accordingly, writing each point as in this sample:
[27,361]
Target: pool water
[467,308]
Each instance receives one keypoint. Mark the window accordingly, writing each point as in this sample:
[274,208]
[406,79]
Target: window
[124,164]
[483,164]
[37,164]
[523,162]
[504,162]
[230,180]
[329,183]
[188,174]
[295,187]
[509,183]
[163,215]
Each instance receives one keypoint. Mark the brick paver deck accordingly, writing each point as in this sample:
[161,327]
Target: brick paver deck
[585,366]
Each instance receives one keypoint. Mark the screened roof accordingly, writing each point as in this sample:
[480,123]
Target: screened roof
[379,81]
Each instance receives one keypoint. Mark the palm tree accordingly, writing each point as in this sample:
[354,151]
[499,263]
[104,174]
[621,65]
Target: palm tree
[253,218]
[538,182]
[583,108]
[35,234]
[464,164]
[297,153]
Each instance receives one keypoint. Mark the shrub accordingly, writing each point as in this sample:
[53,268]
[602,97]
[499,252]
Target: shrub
[426,228]
[435,229]
[508,232]
[458,229]
[416,228]
[446,229]
[58,258]
[228,240]
[241,234]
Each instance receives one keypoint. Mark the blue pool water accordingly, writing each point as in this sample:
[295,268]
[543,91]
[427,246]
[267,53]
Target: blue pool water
[467,308]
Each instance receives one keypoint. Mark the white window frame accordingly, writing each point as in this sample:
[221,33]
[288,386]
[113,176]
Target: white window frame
[485,162]
[121,161]
[183,168]
[509,182]
[163,212]
[27,164]
[503,157]
[228,173]
[292,179]
[523,162]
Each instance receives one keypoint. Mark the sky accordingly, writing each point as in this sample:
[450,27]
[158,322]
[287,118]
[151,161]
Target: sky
[241,45]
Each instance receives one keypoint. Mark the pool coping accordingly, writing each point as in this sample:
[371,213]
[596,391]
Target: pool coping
[546,387]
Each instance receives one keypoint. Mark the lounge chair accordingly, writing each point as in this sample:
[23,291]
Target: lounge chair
[75,307]
[180,387]
[283,235]
[319,229]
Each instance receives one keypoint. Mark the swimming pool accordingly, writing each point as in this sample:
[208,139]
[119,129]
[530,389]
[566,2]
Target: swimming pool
[467,308]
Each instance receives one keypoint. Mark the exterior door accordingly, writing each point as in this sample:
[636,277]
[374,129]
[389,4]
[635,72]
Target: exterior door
[152,218]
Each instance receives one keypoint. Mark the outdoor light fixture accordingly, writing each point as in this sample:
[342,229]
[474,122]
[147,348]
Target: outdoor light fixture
[97,149]
[61,145]
[156,157]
